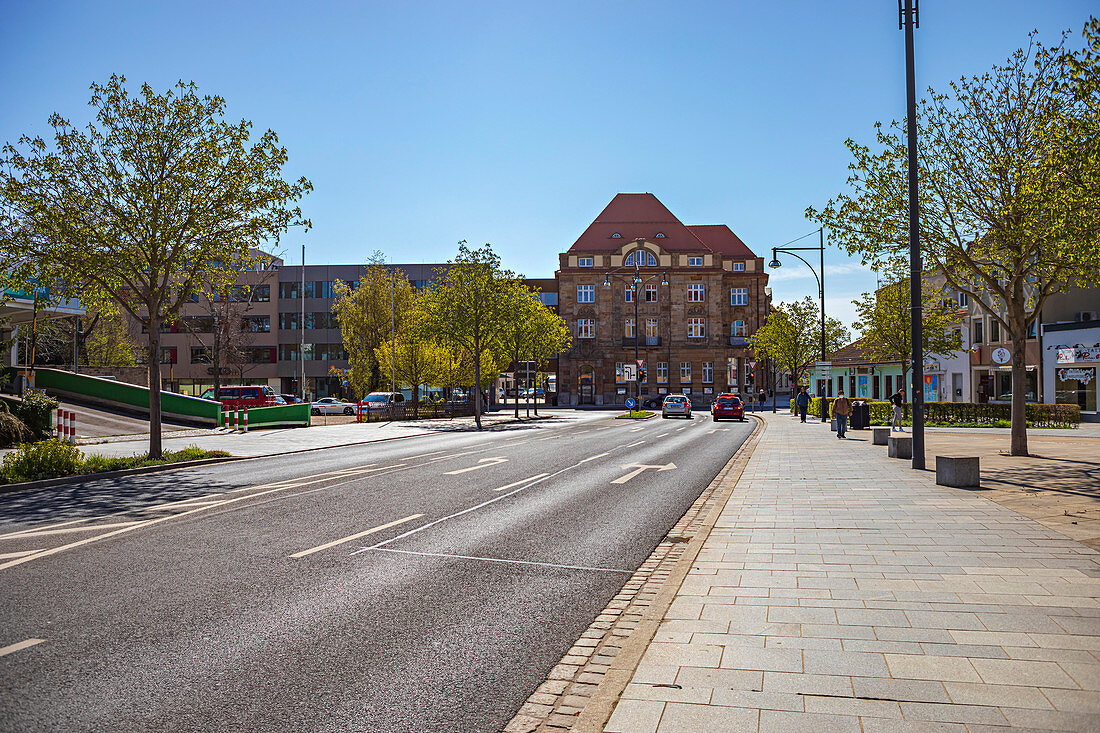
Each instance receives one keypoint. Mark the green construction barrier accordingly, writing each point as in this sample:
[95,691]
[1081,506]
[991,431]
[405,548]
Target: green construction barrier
[280,416]
[112,393]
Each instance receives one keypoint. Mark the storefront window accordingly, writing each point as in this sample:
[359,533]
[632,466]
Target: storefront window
[1076,386]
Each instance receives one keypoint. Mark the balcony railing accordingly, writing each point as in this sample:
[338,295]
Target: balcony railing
[643,341]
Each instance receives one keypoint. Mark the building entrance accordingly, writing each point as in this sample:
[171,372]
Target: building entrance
[586,386]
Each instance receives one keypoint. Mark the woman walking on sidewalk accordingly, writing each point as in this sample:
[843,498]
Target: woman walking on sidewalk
[802,402]
[897,400]
[841,409]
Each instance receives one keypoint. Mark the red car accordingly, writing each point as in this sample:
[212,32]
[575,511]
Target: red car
[727,406]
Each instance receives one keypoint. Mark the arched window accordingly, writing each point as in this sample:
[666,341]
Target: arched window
[629,260]
[650,260]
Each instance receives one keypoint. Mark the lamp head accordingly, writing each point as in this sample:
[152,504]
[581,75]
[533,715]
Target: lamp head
[775,263]
[606,282]
[664,279]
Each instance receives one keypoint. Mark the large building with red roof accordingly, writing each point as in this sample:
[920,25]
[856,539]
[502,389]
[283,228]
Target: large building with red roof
[699,293]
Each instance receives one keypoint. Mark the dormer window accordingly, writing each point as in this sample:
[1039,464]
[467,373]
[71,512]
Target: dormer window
[738,266]
[660,235]
[584,262]
[695,261]
[616,235]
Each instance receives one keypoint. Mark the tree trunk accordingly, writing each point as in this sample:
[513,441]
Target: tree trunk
[154,386]
[477,383]
[515,378]
[1019,380]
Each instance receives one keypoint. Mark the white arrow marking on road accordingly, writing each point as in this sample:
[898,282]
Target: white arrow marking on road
[717,430]
[638,469]
[483,463]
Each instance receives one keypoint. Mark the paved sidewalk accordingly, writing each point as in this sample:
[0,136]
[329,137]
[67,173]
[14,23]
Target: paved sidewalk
[843,591]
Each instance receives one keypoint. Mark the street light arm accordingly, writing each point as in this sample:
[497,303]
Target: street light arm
[792,254]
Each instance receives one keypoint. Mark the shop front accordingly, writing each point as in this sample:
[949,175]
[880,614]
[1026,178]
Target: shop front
[1072,366]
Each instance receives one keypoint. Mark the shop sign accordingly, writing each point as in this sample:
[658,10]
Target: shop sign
[1084,376]
[1001,355]
[1074,356]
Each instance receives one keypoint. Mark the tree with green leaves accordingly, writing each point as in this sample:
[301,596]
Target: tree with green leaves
[469,307]
[366,314]
[884,323]
[413,358]
[532,332]
[791,336]
[139,208]
[1009,175]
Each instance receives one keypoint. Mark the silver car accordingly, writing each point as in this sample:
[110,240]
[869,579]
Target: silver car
[676,404]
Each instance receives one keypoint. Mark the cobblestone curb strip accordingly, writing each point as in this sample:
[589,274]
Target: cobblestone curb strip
[581,691]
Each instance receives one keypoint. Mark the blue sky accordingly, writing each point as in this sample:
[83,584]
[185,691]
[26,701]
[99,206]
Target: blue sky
[423,123]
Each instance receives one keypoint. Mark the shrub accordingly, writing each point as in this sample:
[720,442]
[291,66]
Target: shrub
[46,459]
[36,412]
[967,413]
[12,430]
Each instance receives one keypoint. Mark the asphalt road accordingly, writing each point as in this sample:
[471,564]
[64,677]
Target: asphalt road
[423,584]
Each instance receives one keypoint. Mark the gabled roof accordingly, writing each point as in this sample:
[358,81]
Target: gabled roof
[634,215]
[721,238]
[852,355]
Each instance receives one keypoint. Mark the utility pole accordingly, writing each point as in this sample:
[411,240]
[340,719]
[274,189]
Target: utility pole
[909,18]
[302,325]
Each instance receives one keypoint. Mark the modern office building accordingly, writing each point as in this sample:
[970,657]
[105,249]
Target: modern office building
[687,298]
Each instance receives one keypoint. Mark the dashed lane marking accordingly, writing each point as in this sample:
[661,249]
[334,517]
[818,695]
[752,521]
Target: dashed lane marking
[12,648]
[355,536]
[522,481]
[634,444]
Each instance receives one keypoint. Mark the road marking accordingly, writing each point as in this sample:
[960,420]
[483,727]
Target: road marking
[10,555]
[355,536]
[548,437]
[634,444]
[592,458]
[70,530]
[638,469]
[12,648]
[456,455]
[634,430]
[582,432]
[425,455]
[683,428]
[664,434]
[605,427]
[718,430]
[517,483]
[48,526]
[498,559]
[483,463]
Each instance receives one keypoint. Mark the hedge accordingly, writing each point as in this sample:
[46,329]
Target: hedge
[987,413]
[35,411]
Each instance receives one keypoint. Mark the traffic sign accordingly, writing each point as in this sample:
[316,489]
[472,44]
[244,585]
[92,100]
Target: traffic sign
[630,403]
[641,363]
[629,373]
[752,365]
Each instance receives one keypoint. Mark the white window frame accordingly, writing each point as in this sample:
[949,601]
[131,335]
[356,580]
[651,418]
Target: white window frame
[655,328]
[739,296]
[685,372]
[628,295]
[738,266]
[651,288]
[696,293]
[586,290]
[586,328]
[584,262]
[696,328]
[629,327]
[695,261]
[662,372]
[737,328]
[708,372]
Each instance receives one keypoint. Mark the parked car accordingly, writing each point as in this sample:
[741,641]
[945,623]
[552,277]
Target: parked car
[291,399]
[727,406]
[653,401]
[242,397]
[383,399]
[676,404]
[331,406]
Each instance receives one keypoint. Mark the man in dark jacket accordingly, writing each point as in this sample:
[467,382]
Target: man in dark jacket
[841,409]
[802,402]
[898,400]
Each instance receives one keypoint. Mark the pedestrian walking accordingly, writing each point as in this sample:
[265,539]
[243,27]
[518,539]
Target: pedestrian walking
[762,397]
[841,409]
[897,400]
[802,402]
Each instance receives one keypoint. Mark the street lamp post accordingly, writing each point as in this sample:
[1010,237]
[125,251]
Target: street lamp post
[820,289]
[635,280]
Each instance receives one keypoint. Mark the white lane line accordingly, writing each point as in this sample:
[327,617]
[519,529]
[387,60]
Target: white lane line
[592,458]
[718,430]
[355,536]
[634,430]
[634,444]
[664,434]
[683,428]
[48,526]
[522,481]
[605,427]
[70,530]
[469,509]
[502,560]
[158,520]
[483,463]
[10,555]
[425,455]
[582,432]
[456,455]
[548,437]
[12,648]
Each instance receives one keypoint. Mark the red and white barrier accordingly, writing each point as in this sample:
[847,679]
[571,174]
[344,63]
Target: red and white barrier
[245,420]
[236,419]
[60,422]
[66,425]
[72,426]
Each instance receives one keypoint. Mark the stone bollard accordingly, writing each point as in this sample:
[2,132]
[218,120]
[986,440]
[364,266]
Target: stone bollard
[879,436]
[962,472]
[899,447]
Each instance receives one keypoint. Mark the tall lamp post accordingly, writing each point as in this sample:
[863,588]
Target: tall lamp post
[635,280]
[820,289]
